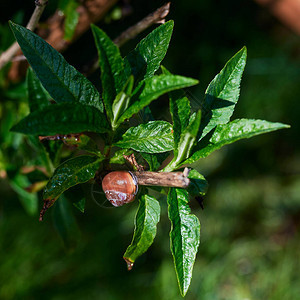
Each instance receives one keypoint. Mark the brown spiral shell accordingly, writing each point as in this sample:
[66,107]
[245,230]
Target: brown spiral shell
[120,187]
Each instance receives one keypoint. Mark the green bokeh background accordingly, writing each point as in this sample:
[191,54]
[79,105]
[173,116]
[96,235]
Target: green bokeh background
[250,225]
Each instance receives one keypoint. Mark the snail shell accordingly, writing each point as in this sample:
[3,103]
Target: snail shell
[120,187]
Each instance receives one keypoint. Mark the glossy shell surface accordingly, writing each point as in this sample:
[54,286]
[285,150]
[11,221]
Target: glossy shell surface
[119,187]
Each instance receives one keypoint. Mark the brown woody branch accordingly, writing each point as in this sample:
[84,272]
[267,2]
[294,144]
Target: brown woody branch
[154,18]
[13,49]
[166,179]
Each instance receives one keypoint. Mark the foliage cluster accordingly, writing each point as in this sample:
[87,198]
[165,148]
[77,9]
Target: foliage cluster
[118,121]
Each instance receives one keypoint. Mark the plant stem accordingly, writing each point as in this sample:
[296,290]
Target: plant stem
[156,17]
[165,179]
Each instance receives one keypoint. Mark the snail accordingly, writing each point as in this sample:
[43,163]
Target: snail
[120,187]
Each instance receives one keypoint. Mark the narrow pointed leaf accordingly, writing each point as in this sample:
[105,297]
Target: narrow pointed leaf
[37,97]
[111,66]
[152,88]
[146,219]
[153,137]
[232,132]
[63,118]
[186,143]
[63,82]
[65,223]
[71,172]
[223,93]
[184,236]
[145,59]
[180,110]
[121,102]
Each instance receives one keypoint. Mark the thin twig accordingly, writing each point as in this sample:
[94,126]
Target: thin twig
[157,17]
[12,50]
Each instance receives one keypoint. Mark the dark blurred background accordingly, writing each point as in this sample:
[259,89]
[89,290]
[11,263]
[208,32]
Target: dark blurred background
[250,225]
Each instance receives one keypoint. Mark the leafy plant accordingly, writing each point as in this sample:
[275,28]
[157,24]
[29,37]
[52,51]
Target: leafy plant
[98,130]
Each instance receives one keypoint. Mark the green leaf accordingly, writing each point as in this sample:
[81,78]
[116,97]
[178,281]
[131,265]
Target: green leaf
[232,132]
[222,94]
[198,185]
[152,161]
[145,59]
[28,200]
[63,82]
[153,137]
[71,172]
[65,223]
[37,97]
[63,118]
[151,88]
[111,66]
[184,236]
[180,110]
[146,219]
[186,143]
[69,9]
[118,157]
[121,102]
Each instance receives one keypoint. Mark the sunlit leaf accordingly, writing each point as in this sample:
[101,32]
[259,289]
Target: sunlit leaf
[151,88]
[232,132]
[222,94]
[145,59]
[152,137]
[121,102]
[180,110]
[184,235]
[63,82]
[146,219]
[186,142]
[111,66]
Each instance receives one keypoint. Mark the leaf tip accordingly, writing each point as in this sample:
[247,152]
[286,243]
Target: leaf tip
[13,26]
[16,128]
[171,23]
[129,263]
[47,204]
